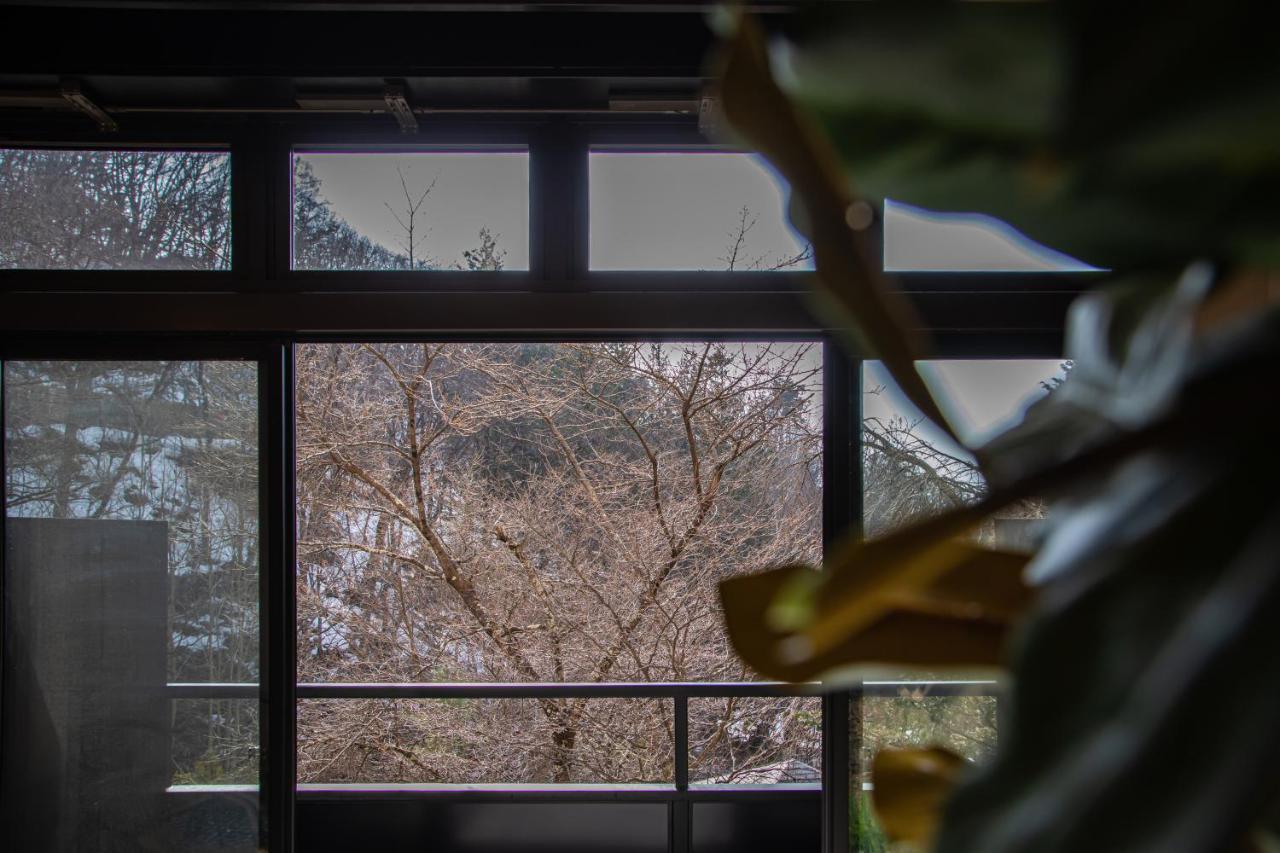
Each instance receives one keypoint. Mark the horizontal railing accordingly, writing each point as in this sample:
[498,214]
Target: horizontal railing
[679,693]
[578,690]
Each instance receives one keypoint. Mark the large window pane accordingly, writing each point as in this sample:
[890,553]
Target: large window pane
[690,211]
[545,512]
[131,561]
[422,210]
[103,210]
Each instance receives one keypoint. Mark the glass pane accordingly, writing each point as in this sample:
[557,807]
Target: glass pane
[919,240]
[422,210]
[965,725]
[690,211]
[916,717]
[215,742]
[911,469]
[485,741]
[131,561]
[124,210]
[736,741]
[545,512]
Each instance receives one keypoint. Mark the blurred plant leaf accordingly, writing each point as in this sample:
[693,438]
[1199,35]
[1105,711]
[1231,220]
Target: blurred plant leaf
[1130,346]
[910,786]
[1141,715]
[952,607]
[1132,141]
[1136,724]
[853,287]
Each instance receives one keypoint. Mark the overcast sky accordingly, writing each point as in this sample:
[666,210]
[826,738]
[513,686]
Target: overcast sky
[472,190]
[981,397]
[677,211]
[682,211]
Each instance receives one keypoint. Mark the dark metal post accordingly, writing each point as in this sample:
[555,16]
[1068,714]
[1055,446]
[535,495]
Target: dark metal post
[681,725]
[680,807]
[250,208]
[842,515]
[279,637]
[558,198]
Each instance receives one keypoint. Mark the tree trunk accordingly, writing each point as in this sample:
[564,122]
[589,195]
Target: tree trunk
[562,741]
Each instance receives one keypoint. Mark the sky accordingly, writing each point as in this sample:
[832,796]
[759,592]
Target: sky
[980,396]
[654,211]
[681,211]
[919,240]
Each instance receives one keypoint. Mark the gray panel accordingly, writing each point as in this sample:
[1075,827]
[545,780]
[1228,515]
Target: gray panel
[791,825]
[86,729]
[443,827]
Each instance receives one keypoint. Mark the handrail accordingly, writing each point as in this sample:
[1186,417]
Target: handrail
[679,692]
[578,690]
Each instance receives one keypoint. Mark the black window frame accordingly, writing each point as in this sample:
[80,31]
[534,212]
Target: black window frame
[276,636]
[264,307]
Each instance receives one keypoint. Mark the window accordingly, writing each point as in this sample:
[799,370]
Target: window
[511,510]
[912,470]
[114,210]
[548,514]
[131,584]
[683,210]
[419,210]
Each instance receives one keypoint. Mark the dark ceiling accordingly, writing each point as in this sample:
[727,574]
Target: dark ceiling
[215,57]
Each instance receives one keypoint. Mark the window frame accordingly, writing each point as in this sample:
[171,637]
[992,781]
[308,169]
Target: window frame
[261,306]
[276,633]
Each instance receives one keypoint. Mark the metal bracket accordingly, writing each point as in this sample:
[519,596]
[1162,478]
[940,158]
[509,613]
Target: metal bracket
[708,115]
[74,95]
[398,106]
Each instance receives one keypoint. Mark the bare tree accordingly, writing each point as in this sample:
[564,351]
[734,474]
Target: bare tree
[544,513]
[413,233]
[738,257]
[114,209]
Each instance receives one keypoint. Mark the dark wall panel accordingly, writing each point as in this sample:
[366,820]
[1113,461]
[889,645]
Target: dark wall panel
[445,827]
[791,825]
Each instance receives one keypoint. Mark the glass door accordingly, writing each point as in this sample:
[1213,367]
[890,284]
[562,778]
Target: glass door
[132,636]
